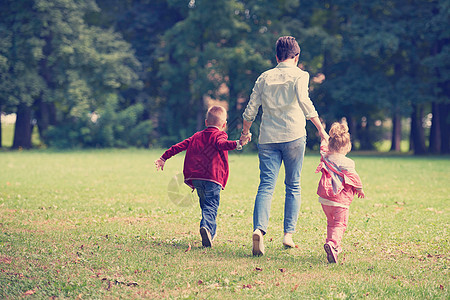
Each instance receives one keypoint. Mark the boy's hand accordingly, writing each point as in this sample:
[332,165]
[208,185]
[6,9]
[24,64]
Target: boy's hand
[159,164]
[360,193]
[244,139]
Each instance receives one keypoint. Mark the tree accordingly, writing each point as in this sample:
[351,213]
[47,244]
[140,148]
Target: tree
[374,66]
[142,23]
[20,52]
[198,52]
[438,62]
[59,68]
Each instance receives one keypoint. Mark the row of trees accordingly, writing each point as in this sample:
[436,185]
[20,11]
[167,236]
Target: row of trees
[137,72]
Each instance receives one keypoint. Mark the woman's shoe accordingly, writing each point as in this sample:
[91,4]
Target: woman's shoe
[258,243]
[287,240]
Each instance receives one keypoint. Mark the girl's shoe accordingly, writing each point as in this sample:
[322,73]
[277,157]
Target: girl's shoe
[206,237]
[258,243]
[331,253]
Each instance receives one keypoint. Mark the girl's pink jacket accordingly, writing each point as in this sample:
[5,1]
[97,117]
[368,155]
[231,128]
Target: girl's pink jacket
[206,156]
[338,182]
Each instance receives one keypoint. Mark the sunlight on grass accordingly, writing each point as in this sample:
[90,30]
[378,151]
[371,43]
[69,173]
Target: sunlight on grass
[100,224]
[8,136]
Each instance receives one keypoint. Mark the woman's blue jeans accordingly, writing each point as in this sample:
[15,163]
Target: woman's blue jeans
[270,158]
[209,197]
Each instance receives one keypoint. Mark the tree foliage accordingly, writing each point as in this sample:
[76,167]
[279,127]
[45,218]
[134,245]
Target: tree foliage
[145,69]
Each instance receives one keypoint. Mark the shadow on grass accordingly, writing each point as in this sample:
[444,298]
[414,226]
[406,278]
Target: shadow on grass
[231,250]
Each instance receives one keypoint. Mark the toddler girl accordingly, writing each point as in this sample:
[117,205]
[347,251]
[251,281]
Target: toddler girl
[337,186]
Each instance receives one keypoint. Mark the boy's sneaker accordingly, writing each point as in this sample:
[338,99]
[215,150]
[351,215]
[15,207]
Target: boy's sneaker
[206,237]
[287,240]
[331,253]
[258,243]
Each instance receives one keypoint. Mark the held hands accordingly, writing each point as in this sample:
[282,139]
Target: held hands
[360,193]
[245,138]
[159,164]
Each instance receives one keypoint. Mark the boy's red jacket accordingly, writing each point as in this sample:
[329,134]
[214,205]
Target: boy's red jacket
[206,156]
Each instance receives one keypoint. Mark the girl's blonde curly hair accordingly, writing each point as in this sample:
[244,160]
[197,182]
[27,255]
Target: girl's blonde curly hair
[339,138]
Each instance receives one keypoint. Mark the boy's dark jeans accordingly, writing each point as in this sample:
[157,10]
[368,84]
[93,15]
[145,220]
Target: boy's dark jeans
[209,196]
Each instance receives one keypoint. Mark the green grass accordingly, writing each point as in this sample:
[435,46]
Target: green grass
[100,224]
[8,136]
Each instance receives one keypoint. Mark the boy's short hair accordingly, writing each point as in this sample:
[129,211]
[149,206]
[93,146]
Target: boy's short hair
[216,115]
[287,47]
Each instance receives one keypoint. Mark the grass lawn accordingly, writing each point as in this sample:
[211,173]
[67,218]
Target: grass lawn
[100,224]
[8,136]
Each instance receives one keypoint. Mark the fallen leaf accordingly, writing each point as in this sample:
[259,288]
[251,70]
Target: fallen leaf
[30,292]
[200,282]
[189,248]
[441,287]
[294,288]
[247,286]
[258,269]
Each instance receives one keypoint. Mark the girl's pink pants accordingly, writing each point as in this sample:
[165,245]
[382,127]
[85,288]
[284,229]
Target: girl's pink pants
[337,218]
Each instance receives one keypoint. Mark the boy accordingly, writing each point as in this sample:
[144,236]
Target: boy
[206,166]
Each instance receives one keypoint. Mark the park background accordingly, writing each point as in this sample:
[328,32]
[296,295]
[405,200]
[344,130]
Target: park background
[97,89]
[141,73]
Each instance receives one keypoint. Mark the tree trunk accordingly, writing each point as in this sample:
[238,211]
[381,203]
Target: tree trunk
[396,132]
[0,127]
[22,129]
[1,111]
[351,123]
[234,114]
[444,109]
[365,136]
[46,116]
[435,132]
[417,137]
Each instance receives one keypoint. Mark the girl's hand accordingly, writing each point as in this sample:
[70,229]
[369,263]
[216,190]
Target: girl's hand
[360,193]
[159,164]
